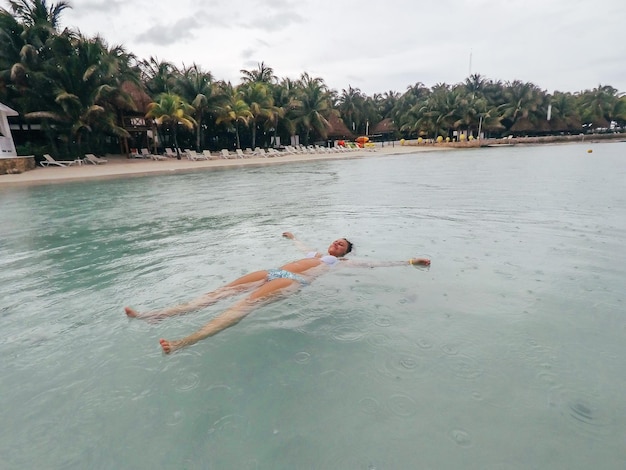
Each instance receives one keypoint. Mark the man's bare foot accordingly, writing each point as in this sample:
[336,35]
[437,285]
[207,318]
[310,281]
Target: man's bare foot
[419,261]
[131,313]
[169,346]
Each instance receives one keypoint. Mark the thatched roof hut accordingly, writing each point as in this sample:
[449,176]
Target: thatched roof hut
[600,122]
[138,95]
[386,126]
[134,121]
[338,129]
[526,125]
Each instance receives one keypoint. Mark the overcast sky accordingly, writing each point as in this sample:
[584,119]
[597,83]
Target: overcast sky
[376,46]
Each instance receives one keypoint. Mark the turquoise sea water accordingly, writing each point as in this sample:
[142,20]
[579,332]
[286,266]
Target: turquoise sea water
[508,353]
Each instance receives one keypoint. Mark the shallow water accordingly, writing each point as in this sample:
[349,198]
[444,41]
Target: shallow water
[507,353]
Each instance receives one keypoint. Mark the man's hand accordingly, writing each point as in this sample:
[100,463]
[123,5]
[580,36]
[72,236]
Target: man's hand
[289,235]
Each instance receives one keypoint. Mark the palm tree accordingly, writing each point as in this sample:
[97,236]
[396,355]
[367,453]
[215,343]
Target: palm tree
[262,74]
[437,115]
[12,69]
[197,87]
[314,106]
[83,90]
[284,96]
[24,32]
[260,103]
[158,76]
[388,102]
[40,21]
[601,105]
[171,110]
[234,110]
[404,112]
[351,105]
[564,113]
[523,101]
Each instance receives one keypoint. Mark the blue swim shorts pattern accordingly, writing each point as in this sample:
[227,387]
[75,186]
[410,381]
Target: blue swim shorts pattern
[282,274]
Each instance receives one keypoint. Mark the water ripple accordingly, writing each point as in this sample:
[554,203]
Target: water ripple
[401,405]
[400,364]
[461,437]
[346,334]
[383,322]
[369,405]
[465,367]
[585,413]
[187,381]
[302,357]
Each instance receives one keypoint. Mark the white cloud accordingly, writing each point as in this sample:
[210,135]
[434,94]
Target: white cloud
[566,45]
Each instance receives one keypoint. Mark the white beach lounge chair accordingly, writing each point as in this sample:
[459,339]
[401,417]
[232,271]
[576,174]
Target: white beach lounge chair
[51,161]
[91,158]
[145,153]
[208,155]
[226,154]
[193,155]
[169,153]
[181,153]
[274,153]
[155,156]
[240,153]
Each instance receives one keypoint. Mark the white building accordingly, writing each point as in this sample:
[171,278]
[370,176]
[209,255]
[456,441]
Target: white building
[7,146]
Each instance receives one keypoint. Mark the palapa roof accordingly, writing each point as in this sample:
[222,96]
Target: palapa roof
[600,122]
[385,126]
[526,125]
[337,128]
[138,95]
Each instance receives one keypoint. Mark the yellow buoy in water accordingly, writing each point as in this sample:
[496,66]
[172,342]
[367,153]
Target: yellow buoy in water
[589,151]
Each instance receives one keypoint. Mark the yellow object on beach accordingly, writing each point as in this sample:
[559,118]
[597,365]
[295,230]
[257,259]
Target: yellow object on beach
[402,141]
[439,139]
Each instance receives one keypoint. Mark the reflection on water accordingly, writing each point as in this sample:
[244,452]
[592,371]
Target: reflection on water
[512,340]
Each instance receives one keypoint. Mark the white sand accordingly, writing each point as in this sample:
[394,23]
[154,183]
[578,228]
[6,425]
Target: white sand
[120,166]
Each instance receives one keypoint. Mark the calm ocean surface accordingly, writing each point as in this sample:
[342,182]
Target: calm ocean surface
[508,353]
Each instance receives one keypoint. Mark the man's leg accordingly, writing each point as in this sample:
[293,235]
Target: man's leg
[244,283]
[264,294]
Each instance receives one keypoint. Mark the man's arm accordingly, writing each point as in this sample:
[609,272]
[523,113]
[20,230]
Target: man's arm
[301,246]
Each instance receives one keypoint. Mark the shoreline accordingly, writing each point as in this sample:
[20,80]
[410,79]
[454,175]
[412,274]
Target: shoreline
[119,166]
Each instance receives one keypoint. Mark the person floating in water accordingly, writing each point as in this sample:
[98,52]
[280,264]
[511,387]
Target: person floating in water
[266,286]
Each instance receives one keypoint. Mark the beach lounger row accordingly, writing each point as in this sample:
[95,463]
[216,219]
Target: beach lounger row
[89,158]
[317,149]
[249,153]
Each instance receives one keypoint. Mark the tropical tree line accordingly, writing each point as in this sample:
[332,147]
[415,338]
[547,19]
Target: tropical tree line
[77,90]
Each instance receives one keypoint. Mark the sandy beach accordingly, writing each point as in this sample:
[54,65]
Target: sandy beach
[119,166]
